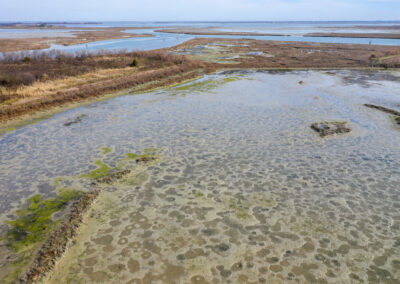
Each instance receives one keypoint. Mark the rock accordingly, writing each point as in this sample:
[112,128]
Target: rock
[113,177]
[77,119]
[145,159]
[393,112]
[384,109]
[326,128]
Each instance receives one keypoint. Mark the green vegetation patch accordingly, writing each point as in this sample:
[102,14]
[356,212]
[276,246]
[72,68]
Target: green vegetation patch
[10,129]
[35,222]
[199,194]
[103,170]
[205,85]
[149,154]
[200,86]
[231,79]
[150,150]
[9,102]
[106,150]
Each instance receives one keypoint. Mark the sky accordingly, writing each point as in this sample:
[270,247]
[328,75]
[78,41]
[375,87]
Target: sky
[198,10]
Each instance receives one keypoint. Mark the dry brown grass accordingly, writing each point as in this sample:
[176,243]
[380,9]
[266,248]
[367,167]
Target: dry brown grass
[93,75]
[71,78]
[208,31]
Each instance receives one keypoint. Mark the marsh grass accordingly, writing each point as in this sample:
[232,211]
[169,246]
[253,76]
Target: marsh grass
[56,78]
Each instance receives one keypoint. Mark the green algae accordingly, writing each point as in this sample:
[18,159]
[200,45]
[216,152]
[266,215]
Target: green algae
[24,124]
[35,121]
[199,194]
[15,269]
[57,181]
[204,85]
[232,79]
[10,129]
[199,86]
[103,170]
[135,156]
[106,150]
[35,221]
[148,154]
[150,150]
[33,224]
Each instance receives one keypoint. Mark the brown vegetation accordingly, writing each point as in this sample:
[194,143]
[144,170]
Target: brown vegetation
[38,81]
[56,78]
[276,54]
[207,31]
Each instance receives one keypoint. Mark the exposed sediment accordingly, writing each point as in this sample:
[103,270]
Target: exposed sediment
[326,128]
[393,112]
[55,246]
[384,109]
[250,53]
[78,119]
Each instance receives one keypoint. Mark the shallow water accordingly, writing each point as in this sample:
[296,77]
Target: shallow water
[293,31]
[29,33]
[165,40]
[245,191]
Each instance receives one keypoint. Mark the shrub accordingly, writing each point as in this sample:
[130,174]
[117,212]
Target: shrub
[135,63]
[17,79]
[27,59]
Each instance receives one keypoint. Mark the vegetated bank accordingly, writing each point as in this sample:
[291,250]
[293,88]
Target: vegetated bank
[31,82]
[38,81]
